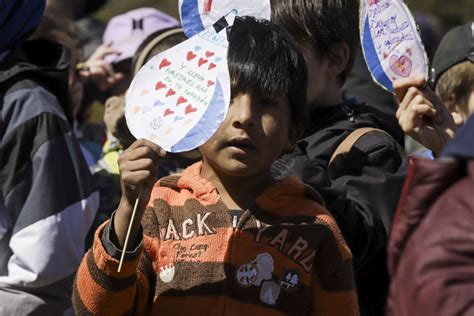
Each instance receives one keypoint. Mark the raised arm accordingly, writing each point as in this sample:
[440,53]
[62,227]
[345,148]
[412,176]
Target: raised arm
[422,115]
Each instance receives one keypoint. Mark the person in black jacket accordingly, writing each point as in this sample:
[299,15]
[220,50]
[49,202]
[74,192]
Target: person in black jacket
[361,185]
[47,196]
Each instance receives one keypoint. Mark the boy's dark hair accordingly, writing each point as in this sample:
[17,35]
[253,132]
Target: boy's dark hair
[264,59]
[156,43]
[321,24]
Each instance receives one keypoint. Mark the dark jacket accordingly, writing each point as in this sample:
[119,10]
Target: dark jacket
[47,197]
[431,250]
[361,190]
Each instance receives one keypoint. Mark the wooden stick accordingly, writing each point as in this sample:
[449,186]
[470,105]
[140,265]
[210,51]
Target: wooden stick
[128,231]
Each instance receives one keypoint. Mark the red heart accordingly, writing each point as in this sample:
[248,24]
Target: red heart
[170,92]
[189,109]
[181,100]
[202,61]
[210,83]
[168,112]
[209,54]
[211,65]
[190,55]
[165,63]
[159,85]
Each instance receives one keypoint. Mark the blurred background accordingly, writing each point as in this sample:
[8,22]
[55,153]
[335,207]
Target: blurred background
[451,13]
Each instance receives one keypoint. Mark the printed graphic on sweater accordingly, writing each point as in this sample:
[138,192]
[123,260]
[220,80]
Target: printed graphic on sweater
[255,272]
[167,273]
[290,280]
[299,251]
[247,274]
[269,292]
[191,227]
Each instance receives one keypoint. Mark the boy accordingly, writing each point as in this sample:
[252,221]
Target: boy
[361,185]
[452,74]
[224,237]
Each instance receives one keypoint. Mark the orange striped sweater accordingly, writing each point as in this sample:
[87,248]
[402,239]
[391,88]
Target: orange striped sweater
[284,255]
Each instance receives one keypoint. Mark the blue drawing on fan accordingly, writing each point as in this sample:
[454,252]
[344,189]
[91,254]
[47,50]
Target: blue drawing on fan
[158,103]
[197,48]
[178,118]
[218,59]
[190,18]
[372,59]
[156,123]
[202,131]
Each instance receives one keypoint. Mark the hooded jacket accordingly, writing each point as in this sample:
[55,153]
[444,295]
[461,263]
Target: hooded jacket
[360,189]
[431,250]
[284,255]
[47,198]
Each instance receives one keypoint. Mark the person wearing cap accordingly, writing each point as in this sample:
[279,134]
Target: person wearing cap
[108,71]
[452,77]
[431,248]
[47,196]
[110,65]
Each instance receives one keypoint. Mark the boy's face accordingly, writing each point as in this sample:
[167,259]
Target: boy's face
[324,71]
[316,75]
[254,133]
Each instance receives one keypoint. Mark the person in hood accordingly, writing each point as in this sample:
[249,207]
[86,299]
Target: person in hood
[225,237]
[345,153]
[47,198]
[431,252]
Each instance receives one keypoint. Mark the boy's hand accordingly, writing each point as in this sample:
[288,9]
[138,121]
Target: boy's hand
[138,173]
[422,115]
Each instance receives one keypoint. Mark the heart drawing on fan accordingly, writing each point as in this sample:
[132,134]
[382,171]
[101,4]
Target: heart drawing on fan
[202,61]
[165,63]
[209,54]
[401,66]
[168,112]
[190,56]
[170,92]
[159,85]
[181,100]
[189,109]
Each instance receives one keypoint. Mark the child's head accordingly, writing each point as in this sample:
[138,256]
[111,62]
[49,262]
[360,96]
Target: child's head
[327,32]
[156,43]
[264,60]
[453,71]
[268,110]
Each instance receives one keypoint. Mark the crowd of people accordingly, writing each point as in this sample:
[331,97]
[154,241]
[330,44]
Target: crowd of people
[306,201]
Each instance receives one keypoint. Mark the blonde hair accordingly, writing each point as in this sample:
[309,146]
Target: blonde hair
[458,81]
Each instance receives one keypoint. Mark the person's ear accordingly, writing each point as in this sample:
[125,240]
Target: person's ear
[291,140]
[459,116]
[338,58]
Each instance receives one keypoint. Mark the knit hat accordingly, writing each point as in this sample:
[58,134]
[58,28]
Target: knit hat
[127,31]
[455,47]
[18,19]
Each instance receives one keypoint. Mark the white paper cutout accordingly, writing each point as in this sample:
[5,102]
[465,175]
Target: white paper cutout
[180,97]
[391,44]
[197,15]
